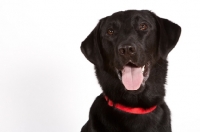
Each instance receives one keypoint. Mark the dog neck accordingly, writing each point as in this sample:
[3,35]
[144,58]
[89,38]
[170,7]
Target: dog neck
[134,110]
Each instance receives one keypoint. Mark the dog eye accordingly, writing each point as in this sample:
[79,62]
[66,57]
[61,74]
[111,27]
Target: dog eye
[110,32]
[143,26]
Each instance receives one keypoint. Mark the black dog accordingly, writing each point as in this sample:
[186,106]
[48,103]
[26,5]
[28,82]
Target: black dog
[129,51]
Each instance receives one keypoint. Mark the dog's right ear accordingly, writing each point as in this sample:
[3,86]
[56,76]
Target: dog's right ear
[90,47]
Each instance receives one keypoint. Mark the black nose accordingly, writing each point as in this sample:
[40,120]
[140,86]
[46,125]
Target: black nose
[125,50]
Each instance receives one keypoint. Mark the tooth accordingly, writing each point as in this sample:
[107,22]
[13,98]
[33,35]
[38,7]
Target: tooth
[143,68]
[119,76]
[118,73]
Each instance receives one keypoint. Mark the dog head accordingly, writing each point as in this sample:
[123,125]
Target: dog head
[126,47]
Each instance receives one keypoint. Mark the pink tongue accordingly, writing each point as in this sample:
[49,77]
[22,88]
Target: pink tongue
[132,77]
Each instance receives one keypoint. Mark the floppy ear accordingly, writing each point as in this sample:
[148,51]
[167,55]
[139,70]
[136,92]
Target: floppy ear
[169,33]
[90,47]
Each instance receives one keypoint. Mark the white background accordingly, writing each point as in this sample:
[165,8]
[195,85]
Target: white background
[47,85]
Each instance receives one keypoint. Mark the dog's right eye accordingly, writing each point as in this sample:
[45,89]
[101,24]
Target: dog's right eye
[110,32]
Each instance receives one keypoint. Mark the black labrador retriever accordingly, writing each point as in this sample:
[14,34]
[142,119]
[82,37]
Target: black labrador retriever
[129,50]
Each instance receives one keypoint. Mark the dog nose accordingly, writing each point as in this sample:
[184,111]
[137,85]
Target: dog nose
[126,50]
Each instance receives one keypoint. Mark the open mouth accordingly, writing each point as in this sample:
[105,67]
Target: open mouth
[133,76]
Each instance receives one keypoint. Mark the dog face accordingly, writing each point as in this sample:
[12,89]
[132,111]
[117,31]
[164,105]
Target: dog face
[126,46]
[129,39]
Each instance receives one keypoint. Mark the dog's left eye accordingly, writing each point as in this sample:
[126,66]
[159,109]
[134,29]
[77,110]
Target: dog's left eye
[143,26]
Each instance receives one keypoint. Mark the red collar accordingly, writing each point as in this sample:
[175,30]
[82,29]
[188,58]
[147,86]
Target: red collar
[135,110]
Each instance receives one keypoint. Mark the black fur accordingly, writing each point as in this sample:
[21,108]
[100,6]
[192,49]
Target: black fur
[150,46]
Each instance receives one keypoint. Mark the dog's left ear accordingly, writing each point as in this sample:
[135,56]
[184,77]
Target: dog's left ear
[90,47]
[169,33]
